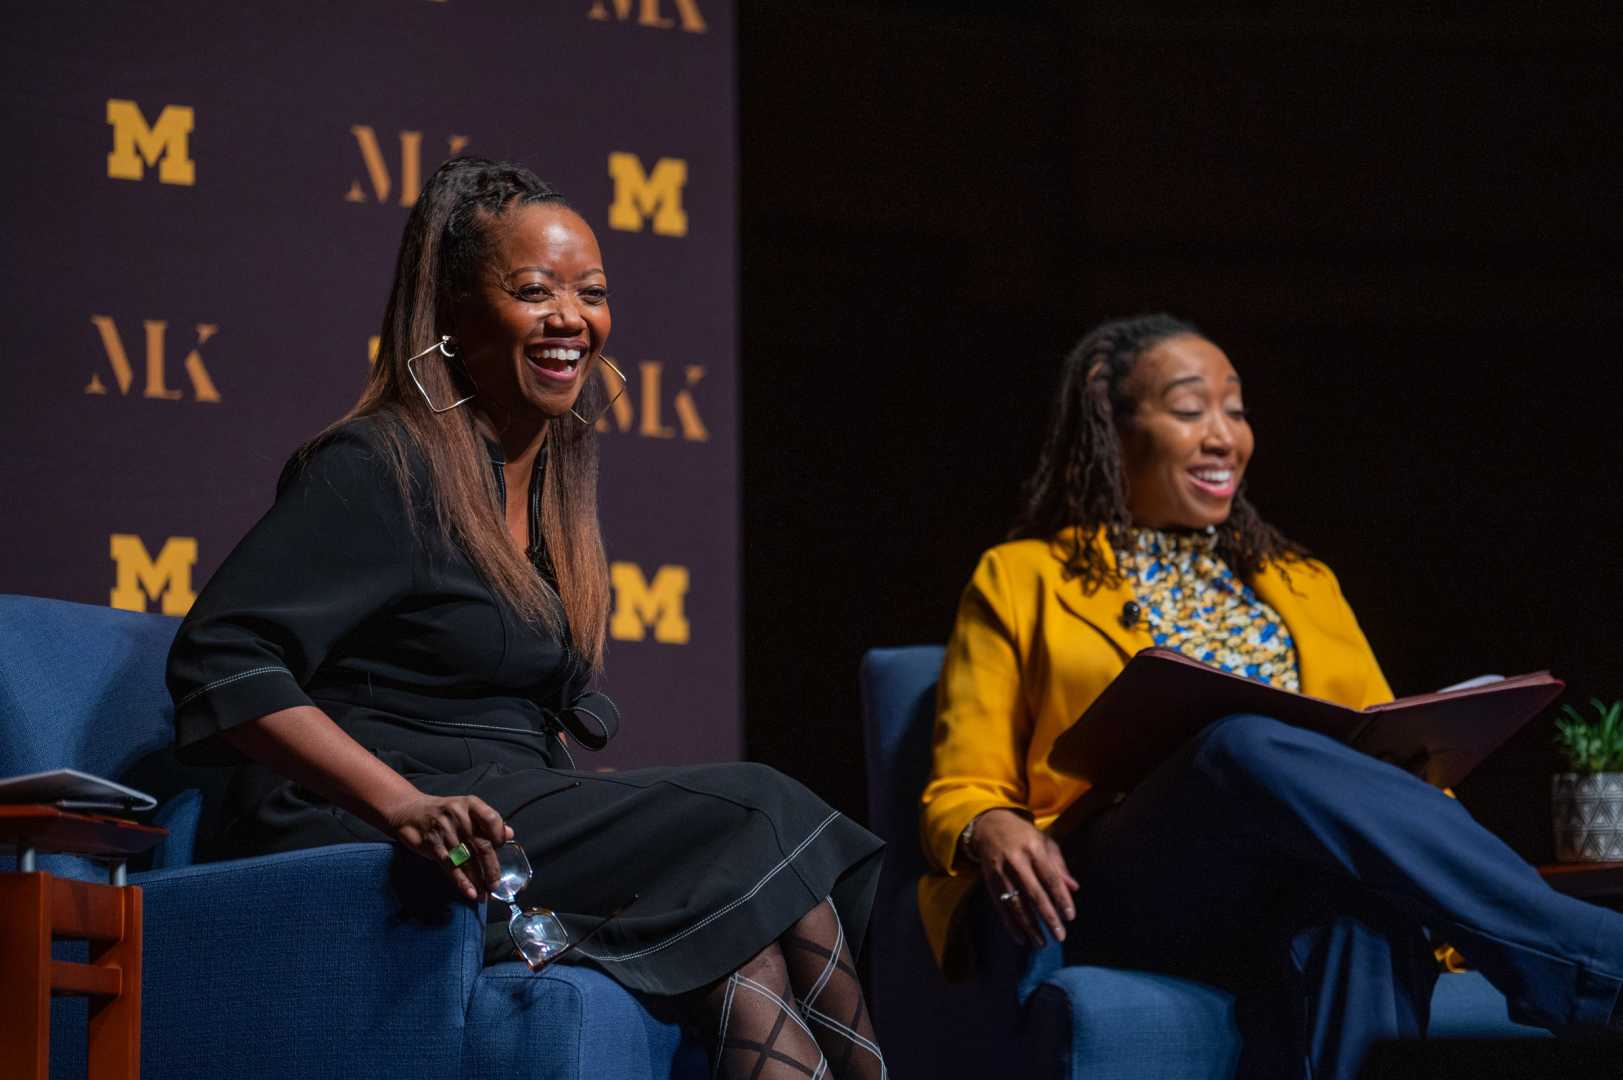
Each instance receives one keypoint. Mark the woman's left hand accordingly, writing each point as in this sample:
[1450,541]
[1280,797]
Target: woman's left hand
[1025,874]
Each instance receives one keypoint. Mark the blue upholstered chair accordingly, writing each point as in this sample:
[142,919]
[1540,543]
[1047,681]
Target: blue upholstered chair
[344,961]
[1026,1013]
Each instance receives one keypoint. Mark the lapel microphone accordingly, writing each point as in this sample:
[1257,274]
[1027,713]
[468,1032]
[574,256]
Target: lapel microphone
[1129,614]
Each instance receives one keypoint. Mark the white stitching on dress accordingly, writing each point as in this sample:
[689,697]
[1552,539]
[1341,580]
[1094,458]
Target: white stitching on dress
[719,912]
[217,683]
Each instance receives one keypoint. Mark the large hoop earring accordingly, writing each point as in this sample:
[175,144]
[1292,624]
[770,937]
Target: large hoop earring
[449,355]
[604,411]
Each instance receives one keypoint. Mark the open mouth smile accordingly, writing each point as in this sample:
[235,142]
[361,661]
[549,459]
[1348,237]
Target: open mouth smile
[556,363]
[1218,483]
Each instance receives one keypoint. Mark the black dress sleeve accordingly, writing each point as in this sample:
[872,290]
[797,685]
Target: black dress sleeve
[335,548]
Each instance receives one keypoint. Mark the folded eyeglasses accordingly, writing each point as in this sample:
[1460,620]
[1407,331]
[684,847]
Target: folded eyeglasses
[538,934]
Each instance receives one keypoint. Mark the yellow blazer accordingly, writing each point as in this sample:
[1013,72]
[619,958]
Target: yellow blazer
[1029,653]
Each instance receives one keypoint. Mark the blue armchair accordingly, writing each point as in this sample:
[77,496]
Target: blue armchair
[337,961]
[1027,1013]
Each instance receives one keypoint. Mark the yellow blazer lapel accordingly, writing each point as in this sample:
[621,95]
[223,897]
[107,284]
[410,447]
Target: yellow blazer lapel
[1102,608]
[1332,656]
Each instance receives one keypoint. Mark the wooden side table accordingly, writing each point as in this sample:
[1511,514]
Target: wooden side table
[1596,881]
[36,906]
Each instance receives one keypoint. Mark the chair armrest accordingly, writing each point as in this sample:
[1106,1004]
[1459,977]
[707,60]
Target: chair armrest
[1101,1021]
[351,959]
[572,1021]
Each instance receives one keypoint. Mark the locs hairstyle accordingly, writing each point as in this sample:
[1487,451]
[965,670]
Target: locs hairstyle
[445,246]
[1079,488]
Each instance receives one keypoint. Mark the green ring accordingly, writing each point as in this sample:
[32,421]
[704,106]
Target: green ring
[459,855]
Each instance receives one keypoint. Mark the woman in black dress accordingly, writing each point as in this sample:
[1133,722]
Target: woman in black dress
[402,645]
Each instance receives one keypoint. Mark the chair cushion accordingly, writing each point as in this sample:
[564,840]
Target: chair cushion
[180,816]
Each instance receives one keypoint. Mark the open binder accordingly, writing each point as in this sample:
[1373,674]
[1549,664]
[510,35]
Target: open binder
[1162,698]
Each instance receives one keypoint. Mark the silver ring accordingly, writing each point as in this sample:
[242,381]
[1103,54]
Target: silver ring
[1012,894]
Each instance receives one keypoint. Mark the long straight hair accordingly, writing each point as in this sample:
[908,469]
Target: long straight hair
[445,243]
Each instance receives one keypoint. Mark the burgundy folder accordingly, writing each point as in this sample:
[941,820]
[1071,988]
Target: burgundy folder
[1162,697]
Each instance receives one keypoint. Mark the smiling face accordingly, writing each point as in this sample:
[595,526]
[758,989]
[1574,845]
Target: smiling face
[1187,442]
[537,316]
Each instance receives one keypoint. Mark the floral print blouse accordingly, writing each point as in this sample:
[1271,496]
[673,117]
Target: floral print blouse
[1192,602]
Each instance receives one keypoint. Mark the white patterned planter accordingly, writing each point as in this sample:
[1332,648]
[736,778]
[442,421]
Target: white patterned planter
[1587,810]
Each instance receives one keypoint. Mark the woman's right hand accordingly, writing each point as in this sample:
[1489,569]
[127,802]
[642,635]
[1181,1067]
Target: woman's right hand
[304,744]
[1016,857]
[432,825]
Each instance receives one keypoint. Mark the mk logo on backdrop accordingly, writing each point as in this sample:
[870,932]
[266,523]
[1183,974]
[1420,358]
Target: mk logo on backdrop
[411,165]
[203,388]
[641,405]
[640,604]
[639,194]
[137,144]
[648,13]
[140,577]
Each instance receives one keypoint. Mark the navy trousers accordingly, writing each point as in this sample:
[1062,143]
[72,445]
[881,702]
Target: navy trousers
[1312,880]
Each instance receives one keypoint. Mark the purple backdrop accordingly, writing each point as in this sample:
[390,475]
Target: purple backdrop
[204,204]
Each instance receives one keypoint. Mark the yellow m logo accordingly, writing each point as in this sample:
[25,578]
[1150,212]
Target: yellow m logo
[137,144]
[168,577]
[639,605]
[639,195]
[648,14]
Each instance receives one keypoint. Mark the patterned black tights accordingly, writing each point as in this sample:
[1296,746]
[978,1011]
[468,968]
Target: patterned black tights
[798,1000]
[830,995]
[757,1029]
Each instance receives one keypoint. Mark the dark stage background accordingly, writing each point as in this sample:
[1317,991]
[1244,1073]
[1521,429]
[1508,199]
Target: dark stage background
[1404,230]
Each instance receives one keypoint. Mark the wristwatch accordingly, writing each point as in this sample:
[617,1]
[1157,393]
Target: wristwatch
[966,852]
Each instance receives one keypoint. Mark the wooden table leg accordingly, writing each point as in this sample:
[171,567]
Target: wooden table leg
[25,977]
[115,1022]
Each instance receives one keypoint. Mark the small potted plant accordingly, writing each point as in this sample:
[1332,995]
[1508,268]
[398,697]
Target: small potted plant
[1587,803]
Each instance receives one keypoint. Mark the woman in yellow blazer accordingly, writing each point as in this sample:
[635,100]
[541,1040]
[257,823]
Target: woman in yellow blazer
[1271,859]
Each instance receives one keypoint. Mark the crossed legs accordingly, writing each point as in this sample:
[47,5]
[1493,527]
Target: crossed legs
[795,1009]
[1267,858]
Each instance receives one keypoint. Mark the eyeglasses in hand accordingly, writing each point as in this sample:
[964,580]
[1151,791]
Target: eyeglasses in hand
[538,934]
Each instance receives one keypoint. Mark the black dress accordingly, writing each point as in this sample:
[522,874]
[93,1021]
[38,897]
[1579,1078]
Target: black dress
[341,597]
